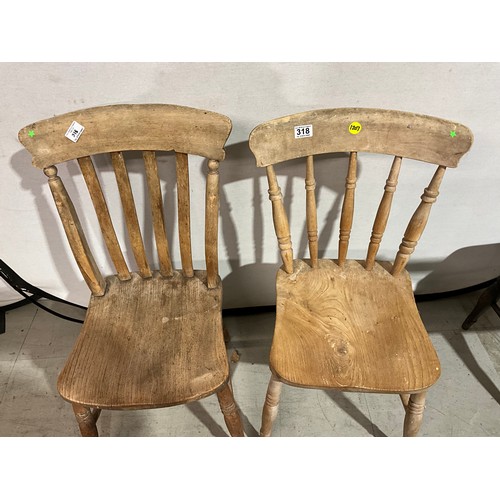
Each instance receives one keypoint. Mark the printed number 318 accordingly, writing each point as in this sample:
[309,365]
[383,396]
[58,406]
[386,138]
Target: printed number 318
[303,131]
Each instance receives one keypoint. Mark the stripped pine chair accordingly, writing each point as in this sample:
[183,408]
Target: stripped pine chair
[151,337]
[343,324]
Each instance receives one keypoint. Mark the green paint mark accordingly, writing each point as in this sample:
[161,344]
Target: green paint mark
[453,133]
[31,133]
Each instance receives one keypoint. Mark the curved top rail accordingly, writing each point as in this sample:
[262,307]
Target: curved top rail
[127,127]
[397,133]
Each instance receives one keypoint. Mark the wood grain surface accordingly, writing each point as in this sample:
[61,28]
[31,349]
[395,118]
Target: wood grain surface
[148,343]
[150,338]
[345,324]
[397,133]
[352,329]
[127,127]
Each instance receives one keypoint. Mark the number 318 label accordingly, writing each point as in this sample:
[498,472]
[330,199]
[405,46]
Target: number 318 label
[303,131]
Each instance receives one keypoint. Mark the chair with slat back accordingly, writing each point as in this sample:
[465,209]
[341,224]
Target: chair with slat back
[151,338]
[345,324]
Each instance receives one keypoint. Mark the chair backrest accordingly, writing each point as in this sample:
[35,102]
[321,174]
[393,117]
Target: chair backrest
[136,127]
[352,130]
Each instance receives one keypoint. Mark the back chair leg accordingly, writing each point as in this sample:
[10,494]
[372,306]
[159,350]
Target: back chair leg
[270,410]
[87,419]
[227,337]
[487,299]
[405,399]
[414,414]
[230,411]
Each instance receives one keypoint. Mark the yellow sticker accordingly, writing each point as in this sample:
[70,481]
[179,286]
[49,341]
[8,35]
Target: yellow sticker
[355,128]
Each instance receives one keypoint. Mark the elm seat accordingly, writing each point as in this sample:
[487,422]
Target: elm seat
[165,359]
[353,341]
[343,324]
[153,334]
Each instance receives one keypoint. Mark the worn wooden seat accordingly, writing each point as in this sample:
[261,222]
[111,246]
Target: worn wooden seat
[347,324]
[143,360]
[151,337]
[340,315]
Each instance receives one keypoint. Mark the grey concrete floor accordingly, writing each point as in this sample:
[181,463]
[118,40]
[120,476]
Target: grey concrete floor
[464,402]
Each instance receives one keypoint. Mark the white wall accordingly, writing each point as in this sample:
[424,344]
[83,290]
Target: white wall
[461,245]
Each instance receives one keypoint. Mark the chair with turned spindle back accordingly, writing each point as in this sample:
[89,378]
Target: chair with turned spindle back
[151,338]
[344,324]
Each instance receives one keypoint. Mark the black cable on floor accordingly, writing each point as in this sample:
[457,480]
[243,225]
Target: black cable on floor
[24,288]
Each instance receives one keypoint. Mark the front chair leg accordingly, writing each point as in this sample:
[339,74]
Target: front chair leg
[270,410]
[87,419]
[414,414]
[230,411]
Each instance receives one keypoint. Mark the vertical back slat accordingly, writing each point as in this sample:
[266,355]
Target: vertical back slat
[131,219]
[383,211]
[183,206]
[212,223]
[155,196]
[75,234]
[280,220]
[347,209]
[101,208]
[311,215]
[418,222]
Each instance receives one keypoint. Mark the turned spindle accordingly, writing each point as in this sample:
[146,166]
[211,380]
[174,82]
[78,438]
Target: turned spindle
[230,411]
[86,418]
[383,213]
[271,404]
[212,223]
[74,233]
[311,215]
[280,220]
[414,414]
[418,222]
[347,209]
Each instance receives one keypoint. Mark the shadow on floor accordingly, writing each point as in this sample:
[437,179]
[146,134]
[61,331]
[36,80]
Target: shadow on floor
[355,413]
[460,346]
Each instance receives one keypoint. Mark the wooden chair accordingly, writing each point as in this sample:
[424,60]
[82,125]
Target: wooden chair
[345,324]
[151,338]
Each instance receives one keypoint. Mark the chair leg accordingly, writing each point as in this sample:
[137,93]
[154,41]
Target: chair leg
[487,299]
[405,399]
[230,411]
[87,419]
[414,414]
[270,410]
[225,332]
